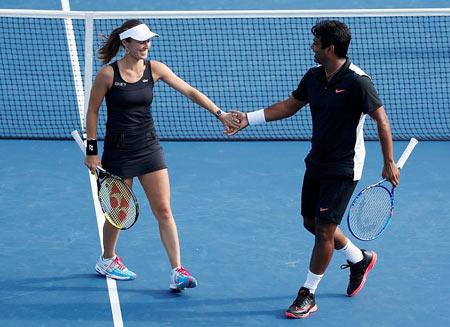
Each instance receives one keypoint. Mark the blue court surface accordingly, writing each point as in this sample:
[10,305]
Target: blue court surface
[236,205]
[237,209]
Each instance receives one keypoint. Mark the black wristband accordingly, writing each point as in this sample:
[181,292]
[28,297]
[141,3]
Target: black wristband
[218,113]
[91,148]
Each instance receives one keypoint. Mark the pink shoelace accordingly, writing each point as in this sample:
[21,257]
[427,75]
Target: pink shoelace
[119,262]
[183,271]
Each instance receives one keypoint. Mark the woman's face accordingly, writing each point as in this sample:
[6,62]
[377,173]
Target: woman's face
[138,49]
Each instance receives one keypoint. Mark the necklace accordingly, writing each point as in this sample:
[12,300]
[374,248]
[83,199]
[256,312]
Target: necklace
[330,75]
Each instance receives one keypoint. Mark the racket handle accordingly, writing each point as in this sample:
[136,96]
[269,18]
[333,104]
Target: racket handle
[405,155]
[80,142]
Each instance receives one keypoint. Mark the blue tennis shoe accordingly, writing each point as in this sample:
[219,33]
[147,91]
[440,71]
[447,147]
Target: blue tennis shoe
[181,278]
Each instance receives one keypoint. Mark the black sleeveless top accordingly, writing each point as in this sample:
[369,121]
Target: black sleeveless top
[131,147]
[128,104]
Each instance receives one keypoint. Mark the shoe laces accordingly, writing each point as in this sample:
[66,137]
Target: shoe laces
[303,292]
[346,265]
[355,270]
[118,261]
[183,271]
[303,297]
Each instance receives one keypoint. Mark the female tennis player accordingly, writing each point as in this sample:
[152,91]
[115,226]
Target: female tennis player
[131,147]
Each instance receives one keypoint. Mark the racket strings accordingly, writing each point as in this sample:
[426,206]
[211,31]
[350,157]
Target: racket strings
[371,212]
[118,203]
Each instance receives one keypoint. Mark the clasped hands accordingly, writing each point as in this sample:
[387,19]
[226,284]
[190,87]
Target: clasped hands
[233,122]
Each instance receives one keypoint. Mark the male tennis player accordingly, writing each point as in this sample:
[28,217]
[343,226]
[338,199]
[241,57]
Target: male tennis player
[339,94]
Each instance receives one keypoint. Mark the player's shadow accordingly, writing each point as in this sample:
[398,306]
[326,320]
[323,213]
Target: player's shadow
[13,288]
[76,296]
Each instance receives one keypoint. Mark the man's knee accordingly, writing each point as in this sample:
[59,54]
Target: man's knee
[309,224]
[325,230]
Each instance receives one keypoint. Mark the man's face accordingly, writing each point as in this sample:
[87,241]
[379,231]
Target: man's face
[319,54]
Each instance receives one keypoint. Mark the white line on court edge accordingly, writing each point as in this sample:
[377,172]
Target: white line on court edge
[112,286]
[111,283]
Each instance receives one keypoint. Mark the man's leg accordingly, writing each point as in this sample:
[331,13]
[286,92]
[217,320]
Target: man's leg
[322,253]
[323,247]
[340,240]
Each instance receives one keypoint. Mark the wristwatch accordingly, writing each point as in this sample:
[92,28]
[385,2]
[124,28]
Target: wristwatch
[218,113]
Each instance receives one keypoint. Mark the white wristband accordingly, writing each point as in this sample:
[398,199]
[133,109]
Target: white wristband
[256,117]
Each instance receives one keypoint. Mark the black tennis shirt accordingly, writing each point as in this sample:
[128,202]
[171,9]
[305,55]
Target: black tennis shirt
[128,104]
[338,109]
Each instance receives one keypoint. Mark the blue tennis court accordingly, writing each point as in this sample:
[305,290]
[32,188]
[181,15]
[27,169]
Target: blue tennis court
[237,209]
[240,233]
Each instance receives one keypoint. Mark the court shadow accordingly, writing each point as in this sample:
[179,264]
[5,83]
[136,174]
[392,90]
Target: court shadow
[72,283]
[81,296]
[332,295]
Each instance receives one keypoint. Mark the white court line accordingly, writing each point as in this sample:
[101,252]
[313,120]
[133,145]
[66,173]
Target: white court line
[112,286]
[75,63]
[82,106]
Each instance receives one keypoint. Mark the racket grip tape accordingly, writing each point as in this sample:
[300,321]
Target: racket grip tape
[405,155]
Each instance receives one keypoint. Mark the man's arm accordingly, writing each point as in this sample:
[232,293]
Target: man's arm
[283,109]
[390,170]
[280,110]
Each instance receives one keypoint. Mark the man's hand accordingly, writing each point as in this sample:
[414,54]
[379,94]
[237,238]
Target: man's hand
[230,122]
[241,118]
[391,173]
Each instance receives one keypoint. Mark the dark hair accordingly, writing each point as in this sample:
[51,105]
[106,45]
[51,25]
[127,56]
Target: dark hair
[112,43]
[333,32]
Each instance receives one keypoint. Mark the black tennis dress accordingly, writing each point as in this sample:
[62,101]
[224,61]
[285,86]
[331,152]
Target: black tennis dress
[131,145]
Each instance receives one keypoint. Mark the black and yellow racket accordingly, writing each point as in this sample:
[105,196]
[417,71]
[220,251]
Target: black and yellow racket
[117,200]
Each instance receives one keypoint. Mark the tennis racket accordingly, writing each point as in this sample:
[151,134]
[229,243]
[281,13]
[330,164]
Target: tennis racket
[117,200]
[372,209]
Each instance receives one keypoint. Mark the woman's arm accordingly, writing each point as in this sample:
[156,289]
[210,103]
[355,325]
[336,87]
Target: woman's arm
[161,71]
[102,84]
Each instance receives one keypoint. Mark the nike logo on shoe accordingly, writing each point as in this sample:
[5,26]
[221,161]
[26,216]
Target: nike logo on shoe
[323,209]
[339,91]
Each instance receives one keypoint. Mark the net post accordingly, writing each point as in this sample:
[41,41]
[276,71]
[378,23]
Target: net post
[88,65]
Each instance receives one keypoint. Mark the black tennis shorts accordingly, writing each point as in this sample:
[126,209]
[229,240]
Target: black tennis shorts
[132,154]
[326,197]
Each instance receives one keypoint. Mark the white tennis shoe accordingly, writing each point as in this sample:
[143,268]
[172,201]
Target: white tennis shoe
[113,268]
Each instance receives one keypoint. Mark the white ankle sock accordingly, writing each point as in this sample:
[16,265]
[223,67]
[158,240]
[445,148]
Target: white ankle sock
[108,259]
[351,252]
[312,281]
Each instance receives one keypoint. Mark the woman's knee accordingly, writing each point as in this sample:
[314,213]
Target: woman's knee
[162,210]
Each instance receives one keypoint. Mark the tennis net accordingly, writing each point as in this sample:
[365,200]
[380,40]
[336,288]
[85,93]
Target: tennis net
[240,59]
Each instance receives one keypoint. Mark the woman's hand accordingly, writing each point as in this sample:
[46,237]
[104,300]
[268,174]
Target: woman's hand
[92,162]
[230,122]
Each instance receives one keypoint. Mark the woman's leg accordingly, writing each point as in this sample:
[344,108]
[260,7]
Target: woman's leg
[157,188]
[111,233]
[109,264]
